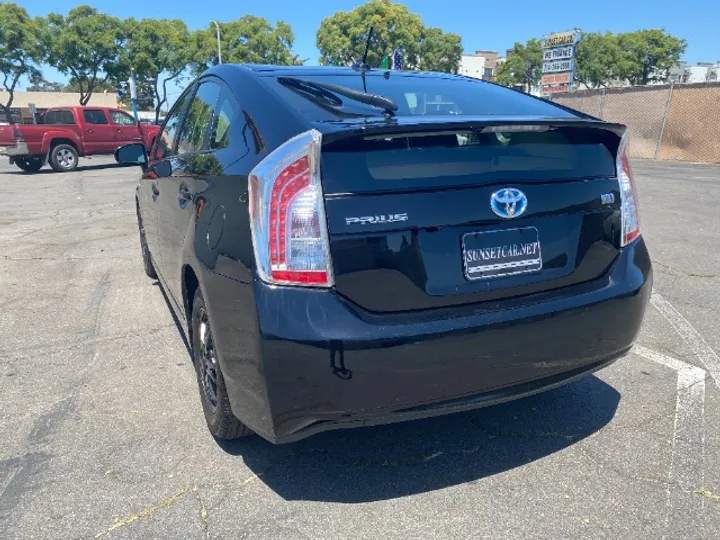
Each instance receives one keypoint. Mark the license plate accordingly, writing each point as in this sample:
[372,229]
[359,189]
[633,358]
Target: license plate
[501,253]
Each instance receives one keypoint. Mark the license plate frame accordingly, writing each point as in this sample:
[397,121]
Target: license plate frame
[486,257]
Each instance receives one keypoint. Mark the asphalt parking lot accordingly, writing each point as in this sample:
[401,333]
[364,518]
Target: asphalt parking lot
[102,434]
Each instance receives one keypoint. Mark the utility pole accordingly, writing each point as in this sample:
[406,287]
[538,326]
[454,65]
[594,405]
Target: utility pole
[217,30]
[133,93]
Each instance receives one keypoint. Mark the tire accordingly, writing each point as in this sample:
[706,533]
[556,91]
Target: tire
[29,164]
[63,158]
[221,421]
[147,259]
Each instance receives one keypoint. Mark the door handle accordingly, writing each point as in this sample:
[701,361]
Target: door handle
[118,130]
[89,131]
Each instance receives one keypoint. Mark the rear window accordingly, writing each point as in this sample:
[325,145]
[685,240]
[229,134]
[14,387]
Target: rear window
[465,158]
[414,95]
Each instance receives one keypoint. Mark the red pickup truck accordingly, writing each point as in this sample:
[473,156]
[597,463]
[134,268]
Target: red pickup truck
[70,132]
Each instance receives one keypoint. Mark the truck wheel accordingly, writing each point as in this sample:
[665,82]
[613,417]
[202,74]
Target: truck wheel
[63,158]
[29,164]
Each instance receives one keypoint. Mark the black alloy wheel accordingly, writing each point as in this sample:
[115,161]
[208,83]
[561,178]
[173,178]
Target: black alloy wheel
[221,421]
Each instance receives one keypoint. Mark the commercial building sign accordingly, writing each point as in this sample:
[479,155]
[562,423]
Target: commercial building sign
[561,53]
[556,88]
[555,78]
[560,39]
[559,61]
[554,67]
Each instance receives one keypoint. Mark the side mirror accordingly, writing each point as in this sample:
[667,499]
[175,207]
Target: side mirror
[132,154]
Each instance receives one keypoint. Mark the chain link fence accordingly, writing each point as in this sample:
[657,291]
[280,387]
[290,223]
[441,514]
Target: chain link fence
[666,122]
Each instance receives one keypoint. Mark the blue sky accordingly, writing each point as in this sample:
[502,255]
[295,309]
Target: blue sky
[494,25]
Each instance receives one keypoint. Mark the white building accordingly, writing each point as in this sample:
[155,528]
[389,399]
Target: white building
[701,72]
[479,65]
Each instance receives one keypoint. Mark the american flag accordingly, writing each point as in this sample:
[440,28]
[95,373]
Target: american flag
[397,59]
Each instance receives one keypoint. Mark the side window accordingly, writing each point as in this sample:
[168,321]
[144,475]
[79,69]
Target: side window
[227,113]
[165,146]
[197,120]
[121,118]
[94,116]
[51,117]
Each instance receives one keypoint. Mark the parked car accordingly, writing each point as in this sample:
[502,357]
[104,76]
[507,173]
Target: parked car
[339,254]
[71,132]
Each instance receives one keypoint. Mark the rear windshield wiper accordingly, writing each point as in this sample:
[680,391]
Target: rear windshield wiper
[329,94]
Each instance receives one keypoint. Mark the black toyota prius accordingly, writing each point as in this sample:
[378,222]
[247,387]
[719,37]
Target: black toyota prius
[347,247]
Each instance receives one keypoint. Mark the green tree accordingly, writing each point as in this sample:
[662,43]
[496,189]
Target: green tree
[86,46]
[20,51]
[249,39]
[440,51]
[648,55]
[342,36]
[39,84]
[523,66]
[101,86]
[159,50]
[598,59]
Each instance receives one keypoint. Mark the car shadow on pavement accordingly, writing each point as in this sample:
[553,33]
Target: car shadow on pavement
[385,462]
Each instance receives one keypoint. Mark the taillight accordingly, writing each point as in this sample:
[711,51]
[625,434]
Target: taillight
[287,215]
[17,134]
[630,216]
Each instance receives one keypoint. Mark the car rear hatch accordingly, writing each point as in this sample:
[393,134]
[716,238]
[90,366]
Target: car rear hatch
[429,215]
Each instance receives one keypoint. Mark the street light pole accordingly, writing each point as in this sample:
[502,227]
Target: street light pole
[217,30]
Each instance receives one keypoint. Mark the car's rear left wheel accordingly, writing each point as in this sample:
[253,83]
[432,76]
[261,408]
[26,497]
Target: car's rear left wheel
[220,419]
[29,164]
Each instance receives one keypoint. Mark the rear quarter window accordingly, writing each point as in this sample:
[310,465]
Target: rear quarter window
[60,117]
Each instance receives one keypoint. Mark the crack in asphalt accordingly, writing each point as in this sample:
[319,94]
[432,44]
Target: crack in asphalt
[708,494]
[203,514]
[685,273]
[602,464]
[6,354]
[10,258]
[146,512]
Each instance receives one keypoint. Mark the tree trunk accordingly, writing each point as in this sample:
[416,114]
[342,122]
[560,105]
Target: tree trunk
[158,103]
[6,112]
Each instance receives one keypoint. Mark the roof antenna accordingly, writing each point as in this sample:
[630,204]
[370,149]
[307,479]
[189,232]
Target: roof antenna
[362,66]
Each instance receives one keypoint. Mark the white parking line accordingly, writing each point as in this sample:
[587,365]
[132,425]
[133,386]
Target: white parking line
[688,447]
[692,337]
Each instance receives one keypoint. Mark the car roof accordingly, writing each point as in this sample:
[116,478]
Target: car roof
[94,107]
[277,71]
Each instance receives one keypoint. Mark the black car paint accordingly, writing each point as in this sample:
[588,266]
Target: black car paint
[298,361]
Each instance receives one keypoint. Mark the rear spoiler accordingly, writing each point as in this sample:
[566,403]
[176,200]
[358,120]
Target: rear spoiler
[367,128]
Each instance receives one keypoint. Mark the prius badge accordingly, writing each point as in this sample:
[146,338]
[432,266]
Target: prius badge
[376,220]
[508,203]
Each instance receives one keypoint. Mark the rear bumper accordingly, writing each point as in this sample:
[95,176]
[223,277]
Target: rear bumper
[19,149]
[310,361]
